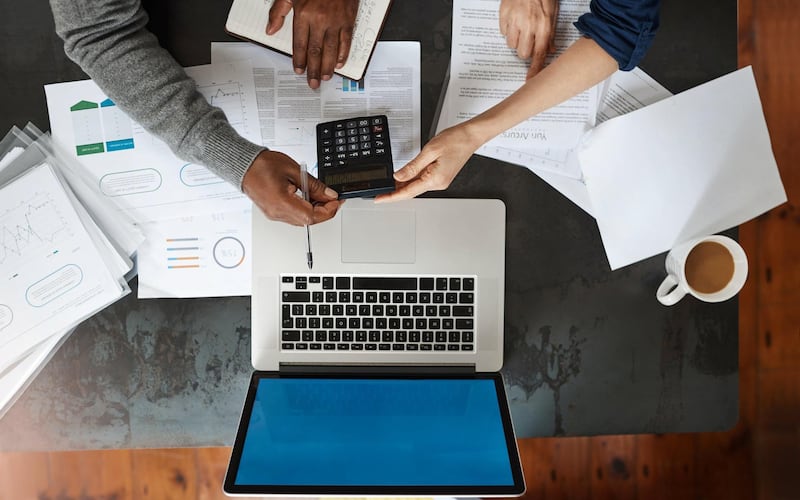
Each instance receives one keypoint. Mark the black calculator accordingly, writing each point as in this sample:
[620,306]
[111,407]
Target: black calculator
[354,156]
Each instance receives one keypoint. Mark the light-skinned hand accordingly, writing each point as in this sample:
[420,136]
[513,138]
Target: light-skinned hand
[321,34]
[272,182]
[435,166]
[529,27]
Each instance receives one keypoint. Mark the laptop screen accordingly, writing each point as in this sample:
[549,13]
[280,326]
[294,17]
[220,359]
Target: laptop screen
[375,434]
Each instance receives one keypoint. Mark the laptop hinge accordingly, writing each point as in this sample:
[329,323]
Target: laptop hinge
[378,369]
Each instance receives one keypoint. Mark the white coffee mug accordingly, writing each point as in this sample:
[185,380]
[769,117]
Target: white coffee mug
[719,277]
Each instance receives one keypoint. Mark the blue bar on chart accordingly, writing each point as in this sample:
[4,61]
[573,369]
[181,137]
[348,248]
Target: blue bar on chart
[349,85]
[117,127]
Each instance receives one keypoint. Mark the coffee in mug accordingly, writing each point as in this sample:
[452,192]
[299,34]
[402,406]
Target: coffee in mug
[713,269]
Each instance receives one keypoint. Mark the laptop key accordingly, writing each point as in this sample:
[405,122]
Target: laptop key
[384,347]
[329,347]
[296,296]
[287,345]
[290,335]
[315,346]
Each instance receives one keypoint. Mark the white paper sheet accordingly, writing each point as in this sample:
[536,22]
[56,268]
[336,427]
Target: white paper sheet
[196,256]
[48,263]
[694,164]
[136,170]
[289,110]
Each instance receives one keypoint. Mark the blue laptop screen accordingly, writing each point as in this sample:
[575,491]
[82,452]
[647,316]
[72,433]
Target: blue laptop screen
[375,432]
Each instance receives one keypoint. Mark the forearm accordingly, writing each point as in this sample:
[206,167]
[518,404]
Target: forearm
[110,42]
[581,66]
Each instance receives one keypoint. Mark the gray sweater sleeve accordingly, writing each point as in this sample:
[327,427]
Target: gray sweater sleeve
[110,42]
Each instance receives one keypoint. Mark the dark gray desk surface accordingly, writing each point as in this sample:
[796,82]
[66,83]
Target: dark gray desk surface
[588,351]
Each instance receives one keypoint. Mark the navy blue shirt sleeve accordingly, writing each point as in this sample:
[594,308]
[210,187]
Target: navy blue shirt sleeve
[623,28]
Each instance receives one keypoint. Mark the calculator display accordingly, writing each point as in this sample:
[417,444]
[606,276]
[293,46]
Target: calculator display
[355,176]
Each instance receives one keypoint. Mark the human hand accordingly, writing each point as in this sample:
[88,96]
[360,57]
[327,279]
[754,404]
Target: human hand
[321,34]
[272,182]
[435,166]
[530,27]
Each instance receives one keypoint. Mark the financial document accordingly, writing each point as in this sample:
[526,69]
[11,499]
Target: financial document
[138,171]
[49,265]
[484,71]
[289,110]
[196,256]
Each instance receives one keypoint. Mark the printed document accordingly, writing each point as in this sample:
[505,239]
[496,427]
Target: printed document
[49,265]
[289,110]
[133,168]
[196,256]
[484,71]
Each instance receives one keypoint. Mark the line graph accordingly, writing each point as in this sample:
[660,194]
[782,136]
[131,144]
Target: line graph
[227,96]
[32,225]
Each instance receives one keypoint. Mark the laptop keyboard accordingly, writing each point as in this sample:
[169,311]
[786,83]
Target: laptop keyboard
[378,313]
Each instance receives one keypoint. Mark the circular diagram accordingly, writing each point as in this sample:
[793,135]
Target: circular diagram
[228,252]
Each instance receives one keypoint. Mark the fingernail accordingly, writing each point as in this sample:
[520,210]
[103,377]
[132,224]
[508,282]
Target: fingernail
[298,71]
[326,77]
[313,83]
[339,64]
[330,193]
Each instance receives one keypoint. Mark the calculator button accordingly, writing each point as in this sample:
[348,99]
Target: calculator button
[377,129]
[364,138]
[377,120]
[341,156]
[327,142]
[352,139]
[363,130]
[340,133]
[327,150]
[352,147]
[379,136]
[380,151]
[379,144]
[363,123]
[327,164]
[352,131]
[338,125]
[353,154]
[366,145]
[341,140]
[326,132]
[350,124]
[366,152]
[341,149]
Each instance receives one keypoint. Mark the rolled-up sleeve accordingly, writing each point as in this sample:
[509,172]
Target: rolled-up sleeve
[623,28]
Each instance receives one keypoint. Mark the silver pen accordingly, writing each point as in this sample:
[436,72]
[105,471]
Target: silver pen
[304,189]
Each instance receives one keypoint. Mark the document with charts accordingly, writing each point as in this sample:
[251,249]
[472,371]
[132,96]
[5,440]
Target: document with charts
[138,171]
[248,19]
[289,110]
[52,272]
[196,256]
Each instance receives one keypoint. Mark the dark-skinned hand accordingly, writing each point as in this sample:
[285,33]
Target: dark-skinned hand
[321,34]
[272,182]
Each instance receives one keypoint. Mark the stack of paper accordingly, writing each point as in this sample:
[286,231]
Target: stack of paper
[60,259]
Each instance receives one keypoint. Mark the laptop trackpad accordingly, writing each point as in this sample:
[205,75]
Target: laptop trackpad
[378,236]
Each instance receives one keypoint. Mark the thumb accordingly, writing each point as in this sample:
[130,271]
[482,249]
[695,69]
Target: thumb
[415,166]
[279,10]
[318,191]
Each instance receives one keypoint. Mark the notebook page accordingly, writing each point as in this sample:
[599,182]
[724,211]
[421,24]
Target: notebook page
[248,19]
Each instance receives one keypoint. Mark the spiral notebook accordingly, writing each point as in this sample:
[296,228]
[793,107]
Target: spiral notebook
[248,19]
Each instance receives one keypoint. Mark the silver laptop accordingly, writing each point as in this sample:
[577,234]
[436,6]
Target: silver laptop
[416,283]
[378,370]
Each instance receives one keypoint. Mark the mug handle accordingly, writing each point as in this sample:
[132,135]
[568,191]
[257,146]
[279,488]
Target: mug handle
[672,297]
